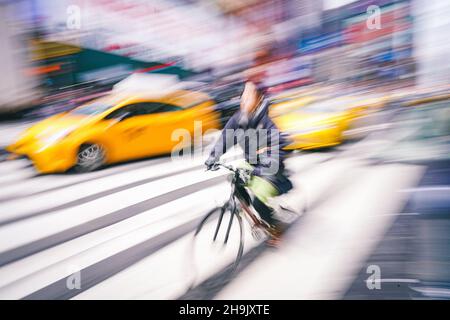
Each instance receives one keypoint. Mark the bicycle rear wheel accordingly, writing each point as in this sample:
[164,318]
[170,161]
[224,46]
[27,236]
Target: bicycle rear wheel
[218,243]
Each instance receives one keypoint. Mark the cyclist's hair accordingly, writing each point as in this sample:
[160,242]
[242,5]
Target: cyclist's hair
[259,86]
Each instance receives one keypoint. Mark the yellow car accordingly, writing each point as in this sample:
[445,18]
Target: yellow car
[286,105]
[115,128]
[319,124]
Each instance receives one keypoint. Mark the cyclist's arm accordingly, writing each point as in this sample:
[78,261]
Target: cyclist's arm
[278,140]
[273,154]
[225,140]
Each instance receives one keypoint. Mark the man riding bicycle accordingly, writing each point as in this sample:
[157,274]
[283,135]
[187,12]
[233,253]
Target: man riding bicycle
[262,142]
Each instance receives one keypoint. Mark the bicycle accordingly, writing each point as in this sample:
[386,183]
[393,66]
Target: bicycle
[237,206]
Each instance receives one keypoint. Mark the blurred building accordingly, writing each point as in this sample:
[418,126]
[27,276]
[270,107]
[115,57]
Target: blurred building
[19,81]
[431,45]
[290,42]
[344,48]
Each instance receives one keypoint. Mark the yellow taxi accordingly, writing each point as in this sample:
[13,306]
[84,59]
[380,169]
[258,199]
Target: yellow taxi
[286,105]
[119,127]
[322,123]
[412,97]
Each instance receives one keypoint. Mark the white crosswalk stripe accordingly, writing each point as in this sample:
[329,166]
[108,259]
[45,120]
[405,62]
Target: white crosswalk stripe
[121,226]
[10,131]
[93,247]
[336,239]
[18,187]
[11,166]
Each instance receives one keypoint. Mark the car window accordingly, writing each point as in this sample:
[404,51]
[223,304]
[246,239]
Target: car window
[130,111]
[169,108]
[146,108]
[142,108]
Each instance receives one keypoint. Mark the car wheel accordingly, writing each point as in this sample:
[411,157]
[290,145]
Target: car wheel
[90,157]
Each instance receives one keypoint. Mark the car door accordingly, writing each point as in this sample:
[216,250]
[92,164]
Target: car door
[127,131]
[159,123]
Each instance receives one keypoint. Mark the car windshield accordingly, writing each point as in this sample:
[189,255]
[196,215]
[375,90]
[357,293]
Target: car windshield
[324,106]
[91,108]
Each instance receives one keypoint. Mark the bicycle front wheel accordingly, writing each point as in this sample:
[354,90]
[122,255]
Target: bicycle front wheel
[217,244]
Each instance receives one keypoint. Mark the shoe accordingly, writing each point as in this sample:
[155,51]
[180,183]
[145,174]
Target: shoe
[276,230]
[285,212]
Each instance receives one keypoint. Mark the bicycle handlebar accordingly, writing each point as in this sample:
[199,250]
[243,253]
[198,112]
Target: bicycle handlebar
[229,167]
[242,172]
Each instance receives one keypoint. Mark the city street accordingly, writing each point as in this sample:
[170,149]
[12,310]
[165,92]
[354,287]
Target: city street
[216,156]
[124,232]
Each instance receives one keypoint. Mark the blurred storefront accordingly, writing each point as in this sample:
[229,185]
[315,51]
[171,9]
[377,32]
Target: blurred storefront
[289,42]
[431,45]
[384,54]
[327,53]
[19,82]
[344,48]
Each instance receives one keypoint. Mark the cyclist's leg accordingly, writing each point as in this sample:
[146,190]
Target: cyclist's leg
[262,188]
[263,191]
[264,211]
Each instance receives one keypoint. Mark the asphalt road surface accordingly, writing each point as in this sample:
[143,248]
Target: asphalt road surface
[124,232]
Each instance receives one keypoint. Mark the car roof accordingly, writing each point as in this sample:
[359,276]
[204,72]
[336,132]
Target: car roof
[181,98]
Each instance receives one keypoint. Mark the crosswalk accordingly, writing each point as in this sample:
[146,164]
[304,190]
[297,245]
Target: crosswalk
[9,131]
[124,231]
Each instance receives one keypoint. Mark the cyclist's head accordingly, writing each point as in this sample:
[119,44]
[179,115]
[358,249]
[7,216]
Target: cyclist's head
[251,96]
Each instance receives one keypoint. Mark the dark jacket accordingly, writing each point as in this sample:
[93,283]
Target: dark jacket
[257,133]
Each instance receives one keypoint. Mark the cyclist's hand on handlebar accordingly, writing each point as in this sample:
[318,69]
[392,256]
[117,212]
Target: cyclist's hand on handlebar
[211,164]
[246,175]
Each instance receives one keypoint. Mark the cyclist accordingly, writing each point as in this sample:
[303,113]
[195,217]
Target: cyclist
[262,143]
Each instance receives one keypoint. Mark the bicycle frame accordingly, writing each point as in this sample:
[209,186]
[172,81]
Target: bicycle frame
[239,193]
[239,201]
